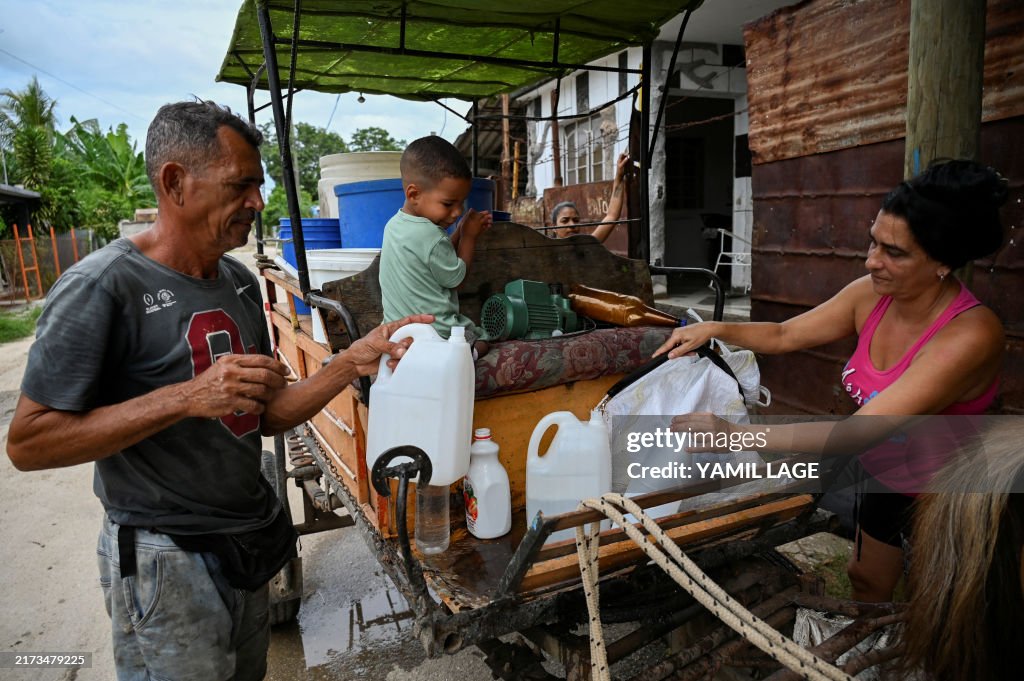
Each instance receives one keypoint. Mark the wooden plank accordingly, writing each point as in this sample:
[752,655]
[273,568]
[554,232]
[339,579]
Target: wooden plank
[284,280]
[617,534]
[613,556]
[504,253]
[512,419]
[289,353]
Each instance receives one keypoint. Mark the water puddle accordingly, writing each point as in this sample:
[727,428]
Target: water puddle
[356,635]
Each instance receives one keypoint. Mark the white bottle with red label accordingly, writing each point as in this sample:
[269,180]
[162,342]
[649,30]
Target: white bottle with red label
[486,490]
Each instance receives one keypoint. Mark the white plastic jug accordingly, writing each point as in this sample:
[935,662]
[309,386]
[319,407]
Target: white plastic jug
[427,401]
[577,466]
[486,490]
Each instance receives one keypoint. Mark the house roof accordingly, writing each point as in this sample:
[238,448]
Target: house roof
[11,194]
[432,49]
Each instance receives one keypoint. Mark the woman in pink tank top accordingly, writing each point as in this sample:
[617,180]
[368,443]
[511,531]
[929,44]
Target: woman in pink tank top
[925,346]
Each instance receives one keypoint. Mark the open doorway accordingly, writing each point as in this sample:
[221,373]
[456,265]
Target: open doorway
[699,138]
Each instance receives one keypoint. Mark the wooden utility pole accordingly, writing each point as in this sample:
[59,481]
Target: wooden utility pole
[947,57]
[506,165]
[556,150]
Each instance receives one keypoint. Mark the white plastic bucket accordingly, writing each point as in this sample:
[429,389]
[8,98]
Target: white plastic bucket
[355,166]
[330,264]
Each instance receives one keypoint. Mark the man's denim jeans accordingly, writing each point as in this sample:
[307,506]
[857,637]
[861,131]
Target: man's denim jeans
[177,618]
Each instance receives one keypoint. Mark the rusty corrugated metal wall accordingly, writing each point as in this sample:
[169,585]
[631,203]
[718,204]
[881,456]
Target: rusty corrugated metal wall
[827,96]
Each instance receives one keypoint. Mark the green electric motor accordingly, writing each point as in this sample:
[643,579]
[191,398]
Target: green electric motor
[527,310]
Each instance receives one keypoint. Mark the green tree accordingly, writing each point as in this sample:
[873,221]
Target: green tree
[28,108]
[110,161]
[277,208]
[309,143]
[27,120]
[374,139]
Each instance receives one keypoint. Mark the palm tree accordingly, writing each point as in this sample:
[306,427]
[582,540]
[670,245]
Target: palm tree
[27,121]
[110,161]
[30,107]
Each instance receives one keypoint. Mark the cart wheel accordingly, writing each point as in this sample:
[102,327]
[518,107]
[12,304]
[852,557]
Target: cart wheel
[286,593]
[284,612]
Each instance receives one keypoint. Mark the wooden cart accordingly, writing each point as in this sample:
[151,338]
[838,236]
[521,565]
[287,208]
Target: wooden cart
[479,590]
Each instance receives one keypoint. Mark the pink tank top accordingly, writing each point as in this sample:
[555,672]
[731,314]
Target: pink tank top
[902,464]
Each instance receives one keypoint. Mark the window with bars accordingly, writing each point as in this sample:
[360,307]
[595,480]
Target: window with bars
[583,93]
[584,153]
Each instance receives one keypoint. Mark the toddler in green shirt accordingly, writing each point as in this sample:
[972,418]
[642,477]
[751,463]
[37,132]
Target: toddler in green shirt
[420,267]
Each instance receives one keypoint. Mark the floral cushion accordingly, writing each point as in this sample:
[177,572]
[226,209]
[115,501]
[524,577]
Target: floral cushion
[527,365]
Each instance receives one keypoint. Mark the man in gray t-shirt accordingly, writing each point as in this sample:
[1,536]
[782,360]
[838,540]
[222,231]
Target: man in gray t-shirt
[152,359]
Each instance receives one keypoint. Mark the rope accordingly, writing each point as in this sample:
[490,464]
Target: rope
[670,558]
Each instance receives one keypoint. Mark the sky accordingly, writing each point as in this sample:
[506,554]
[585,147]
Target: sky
[120,60]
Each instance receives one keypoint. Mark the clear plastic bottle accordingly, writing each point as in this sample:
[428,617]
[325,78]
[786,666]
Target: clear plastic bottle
[432,527]
[486,489]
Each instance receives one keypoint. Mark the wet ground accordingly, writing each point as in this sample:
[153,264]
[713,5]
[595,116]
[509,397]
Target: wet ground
[353,623]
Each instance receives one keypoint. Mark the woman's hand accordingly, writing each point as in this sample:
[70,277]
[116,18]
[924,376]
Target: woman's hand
[707,432]
[620,166]
[686,339]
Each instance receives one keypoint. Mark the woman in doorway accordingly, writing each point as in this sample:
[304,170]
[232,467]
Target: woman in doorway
[566,216]
[925,346]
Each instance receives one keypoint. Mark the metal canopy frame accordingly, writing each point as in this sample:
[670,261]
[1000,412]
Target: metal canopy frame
[269,69]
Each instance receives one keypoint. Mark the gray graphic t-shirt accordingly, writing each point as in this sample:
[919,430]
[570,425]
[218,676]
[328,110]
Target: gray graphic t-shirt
[119,325]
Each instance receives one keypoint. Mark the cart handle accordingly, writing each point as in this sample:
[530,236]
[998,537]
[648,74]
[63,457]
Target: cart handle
[351,328]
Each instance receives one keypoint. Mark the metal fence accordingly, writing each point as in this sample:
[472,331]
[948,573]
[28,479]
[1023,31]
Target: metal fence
[43,258]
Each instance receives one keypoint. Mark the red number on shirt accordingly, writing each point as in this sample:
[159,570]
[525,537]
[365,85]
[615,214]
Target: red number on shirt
[211,334]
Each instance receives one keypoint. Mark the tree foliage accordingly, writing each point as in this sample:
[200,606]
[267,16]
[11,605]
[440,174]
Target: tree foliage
[27,120]
[28,108]
[86,178]
[277,207]
[309,143]
[374,139]
[112,174]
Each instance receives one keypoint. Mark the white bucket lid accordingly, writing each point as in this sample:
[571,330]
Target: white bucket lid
[341,258]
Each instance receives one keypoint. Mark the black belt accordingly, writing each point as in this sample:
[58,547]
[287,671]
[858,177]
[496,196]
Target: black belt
[126,550]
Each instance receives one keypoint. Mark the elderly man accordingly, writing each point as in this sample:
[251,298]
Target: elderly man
[152,360]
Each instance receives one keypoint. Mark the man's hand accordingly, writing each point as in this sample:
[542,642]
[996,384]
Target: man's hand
[474,224]
[235,383]
[365,353]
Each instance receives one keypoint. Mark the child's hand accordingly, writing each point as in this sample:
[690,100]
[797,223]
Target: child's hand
[474,224]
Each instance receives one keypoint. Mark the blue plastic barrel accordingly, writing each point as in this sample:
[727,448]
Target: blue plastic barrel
[317,234]
[365,207]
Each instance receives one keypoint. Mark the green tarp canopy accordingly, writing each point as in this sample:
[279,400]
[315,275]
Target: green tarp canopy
[357,45]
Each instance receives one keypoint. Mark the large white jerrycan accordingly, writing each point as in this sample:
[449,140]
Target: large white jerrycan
[577,466]
[427,401]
